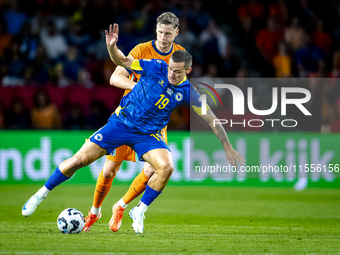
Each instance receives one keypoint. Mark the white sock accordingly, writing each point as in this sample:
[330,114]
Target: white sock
[43,192]
[143,207]
[122,203]
[96,210]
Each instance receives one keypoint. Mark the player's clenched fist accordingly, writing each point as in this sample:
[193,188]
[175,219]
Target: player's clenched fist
[112,35]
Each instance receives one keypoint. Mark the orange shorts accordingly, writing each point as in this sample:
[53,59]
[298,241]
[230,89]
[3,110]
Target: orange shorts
[124,152]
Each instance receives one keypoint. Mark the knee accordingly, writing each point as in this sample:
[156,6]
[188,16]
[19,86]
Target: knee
[166,169]
[148,170]
[79,160]
[111,168]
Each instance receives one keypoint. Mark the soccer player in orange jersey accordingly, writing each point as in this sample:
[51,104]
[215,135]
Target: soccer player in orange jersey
[161,48]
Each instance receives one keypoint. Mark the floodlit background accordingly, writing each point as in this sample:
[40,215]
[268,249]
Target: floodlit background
[55,92]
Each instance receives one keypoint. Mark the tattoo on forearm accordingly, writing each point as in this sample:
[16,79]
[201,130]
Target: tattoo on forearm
[221,134]
[219,131]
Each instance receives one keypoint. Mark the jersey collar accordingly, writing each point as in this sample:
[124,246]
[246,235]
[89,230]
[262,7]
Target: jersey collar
[159,52]
[184,79]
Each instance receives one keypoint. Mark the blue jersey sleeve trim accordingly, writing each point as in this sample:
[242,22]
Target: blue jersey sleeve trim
[195,97]
[159,52]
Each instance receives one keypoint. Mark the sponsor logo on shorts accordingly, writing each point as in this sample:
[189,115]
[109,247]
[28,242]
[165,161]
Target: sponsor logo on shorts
[113,153]
[98,137]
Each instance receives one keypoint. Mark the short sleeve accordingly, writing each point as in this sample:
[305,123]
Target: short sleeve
[136,53]
[195,97]
[145,66]
[196,100]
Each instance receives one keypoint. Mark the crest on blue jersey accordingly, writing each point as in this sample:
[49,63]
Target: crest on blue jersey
[161,82]
[98,137]
[178,96]
[169,91]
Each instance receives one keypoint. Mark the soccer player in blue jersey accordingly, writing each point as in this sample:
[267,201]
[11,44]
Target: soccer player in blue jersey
[136,123]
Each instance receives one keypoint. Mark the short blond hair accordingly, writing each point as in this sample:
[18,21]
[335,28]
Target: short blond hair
[168,18]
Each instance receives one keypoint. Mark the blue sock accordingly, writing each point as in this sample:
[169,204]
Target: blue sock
[149,195]
[55,179]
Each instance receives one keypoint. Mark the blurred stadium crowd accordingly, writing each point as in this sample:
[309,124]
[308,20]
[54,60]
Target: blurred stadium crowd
[55,68]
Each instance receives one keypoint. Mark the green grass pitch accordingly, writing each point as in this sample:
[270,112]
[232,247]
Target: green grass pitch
[184,219]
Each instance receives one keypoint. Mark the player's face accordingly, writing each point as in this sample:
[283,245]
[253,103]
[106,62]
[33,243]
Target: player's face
[165,34]
[177,72]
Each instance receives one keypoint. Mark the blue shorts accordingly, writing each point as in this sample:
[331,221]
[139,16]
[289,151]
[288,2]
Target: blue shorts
[115,134]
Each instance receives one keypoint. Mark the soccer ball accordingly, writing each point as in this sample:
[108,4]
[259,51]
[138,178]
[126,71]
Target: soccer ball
[71,221]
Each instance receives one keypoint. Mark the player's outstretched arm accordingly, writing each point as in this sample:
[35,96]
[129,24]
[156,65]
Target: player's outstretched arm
[120,79]
[219,131]
[115,54]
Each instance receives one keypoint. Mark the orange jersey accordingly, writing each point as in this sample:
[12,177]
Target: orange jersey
[148,50]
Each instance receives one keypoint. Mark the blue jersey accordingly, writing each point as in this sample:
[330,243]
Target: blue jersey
[148,106]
